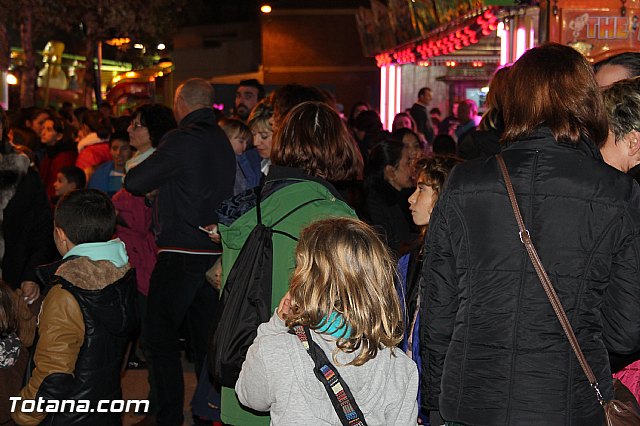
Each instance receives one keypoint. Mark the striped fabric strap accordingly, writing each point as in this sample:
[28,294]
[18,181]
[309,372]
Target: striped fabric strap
[339,393]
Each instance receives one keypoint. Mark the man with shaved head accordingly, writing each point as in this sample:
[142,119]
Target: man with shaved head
[193,170]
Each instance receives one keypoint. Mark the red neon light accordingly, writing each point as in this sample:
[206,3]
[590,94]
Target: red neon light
[456,39]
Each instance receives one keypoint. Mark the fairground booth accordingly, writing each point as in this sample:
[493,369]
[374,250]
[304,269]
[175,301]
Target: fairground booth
[455,46]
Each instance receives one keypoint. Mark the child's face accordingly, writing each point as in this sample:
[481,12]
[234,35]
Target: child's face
[422,201]
[120,152]
[62,186]
[238,143]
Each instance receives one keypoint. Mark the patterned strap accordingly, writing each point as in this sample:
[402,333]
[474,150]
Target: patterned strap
[339,393]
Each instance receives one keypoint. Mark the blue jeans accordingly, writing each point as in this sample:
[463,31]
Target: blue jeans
[178,292]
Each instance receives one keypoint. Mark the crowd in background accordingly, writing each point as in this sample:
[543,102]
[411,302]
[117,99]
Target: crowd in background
[474,318]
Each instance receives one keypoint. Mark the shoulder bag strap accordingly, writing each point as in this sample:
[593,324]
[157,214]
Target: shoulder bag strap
[339,393]
[525,238]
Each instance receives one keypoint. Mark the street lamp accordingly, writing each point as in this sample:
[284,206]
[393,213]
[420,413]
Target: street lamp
[12,80]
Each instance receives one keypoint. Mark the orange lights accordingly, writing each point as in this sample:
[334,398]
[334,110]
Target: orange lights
[265,8]
[383,59]
[477,64]
[118,41]
[451,63]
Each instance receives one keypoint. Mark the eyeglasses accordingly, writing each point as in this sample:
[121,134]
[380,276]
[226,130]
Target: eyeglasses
[136,126]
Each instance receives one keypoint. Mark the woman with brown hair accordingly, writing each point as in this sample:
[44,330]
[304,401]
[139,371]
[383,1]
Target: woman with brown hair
[311,147]
[493,350]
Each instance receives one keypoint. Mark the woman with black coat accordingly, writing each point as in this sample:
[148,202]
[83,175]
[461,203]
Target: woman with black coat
[493,351]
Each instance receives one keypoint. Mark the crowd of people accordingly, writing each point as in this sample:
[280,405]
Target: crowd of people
[395,255]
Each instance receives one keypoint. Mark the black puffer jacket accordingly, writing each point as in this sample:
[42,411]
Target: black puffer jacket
[494,352]
[194,169]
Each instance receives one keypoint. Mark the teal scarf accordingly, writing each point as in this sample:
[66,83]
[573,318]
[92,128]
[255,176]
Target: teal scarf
[335,326]
[113,251]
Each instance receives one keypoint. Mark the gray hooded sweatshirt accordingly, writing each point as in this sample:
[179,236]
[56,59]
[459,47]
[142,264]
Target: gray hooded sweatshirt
[277,376]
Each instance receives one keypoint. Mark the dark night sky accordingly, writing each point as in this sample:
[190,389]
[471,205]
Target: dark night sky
[212,11]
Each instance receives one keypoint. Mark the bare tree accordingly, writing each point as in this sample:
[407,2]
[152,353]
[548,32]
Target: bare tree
[104,19]
[99,19]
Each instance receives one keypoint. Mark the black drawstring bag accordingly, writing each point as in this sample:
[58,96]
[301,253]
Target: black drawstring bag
[245,301]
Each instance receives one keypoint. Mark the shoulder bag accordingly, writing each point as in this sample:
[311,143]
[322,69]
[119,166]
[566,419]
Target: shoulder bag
[339,393]
[623,410]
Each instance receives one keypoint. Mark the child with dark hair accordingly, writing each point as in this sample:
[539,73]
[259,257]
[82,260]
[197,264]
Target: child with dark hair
[108,176]
[431,174]
[68,179]
[87,316]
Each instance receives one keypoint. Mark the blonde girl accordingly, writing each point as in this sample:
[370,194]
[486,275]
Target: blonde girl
[342,290]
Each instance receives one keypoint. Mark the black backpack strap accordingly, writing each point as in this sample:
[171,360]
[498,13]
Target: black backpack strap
[339,393]
[258,200]
[275,231]
[292,211]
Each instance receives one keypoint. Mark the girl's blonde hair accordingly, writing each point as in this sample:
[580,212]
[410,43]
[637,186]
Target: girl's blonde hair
[234,127]
[260,115]
[342,266]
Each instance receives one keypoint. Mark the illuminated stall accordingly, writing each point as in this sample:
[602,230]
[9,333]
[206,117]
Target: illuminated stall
[597,29]
[451,46]
[454,46]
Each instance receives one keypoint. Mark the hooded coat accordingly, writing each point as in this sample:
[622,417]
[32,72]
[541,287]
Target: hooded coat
[85,323]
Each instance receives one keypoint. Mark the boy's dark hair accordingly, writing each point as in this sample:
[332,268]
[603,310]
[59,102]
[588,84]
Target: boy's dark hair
[121,136]
[86,216]
[75,175]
